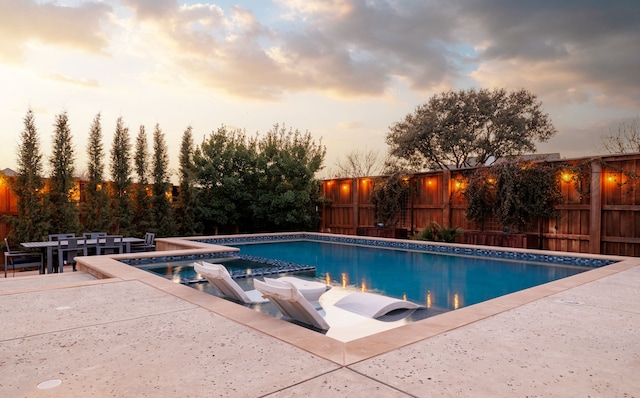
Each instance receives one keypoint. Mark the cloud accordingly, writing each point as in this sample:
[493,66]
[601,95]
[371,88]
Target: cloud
[346,48]
[80,27]
[575,51]
[79,82]
[152,9]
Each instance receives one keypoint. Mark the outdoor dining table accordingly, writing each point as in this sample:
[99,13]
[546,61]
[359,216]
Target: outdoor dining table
[49,246]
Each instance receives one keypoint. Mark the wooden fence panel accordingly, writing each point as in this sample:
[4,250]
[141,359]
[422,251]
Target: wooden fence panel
[611,215]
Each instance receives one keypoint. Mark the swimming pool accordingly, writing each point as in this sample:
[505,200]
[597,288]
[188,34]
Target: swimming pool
[436,280]
[443,282]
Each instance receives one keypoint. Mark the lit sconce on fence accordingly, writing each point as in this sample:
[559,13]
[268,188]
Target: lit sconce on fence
[345,187]
[612,178]
[458,185]
[567,177]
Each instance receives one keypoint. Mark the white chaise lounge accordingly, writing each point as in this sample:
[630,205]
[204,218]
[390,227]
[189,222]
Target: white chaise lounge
[373,305]
[311,290]
[294,305]
[291,302]
[220,278]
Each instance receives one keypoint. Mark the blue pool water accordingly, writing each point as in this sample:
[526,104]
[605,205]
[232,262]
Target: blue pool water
[441,282]
[444,281]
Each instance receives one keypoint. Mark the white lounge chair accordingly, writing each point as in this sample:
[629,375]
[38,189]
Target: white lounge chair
[291,302]
[311,290]
[220,278]
[373,305]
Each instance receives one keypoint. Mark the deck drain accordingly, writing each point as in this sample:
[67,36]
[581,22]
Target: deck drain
[570,302]
[49,384]
[63,308]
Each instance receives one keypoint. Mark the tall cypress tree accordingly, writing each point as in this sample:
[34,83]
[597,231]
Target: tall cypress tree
[63,192]
[121,180]
[32,221]
[162,212]
[142,203]
[96,207]
[185,208]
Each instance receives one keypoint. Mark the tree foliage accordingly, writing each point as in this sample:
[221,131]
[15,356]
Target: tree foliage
[161,207]
[32,221]
[265,183]
[389,196]
[468,128]
[63,192]
[141,200]
[186,207]
[480,194]
[288,192]
[96,207]
[121,179]
[517,193]
[225,166]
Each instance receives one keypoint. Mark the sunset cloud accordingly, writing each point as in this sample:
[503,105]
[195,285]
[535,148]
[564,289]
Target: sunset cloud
[81,28]
[315,64]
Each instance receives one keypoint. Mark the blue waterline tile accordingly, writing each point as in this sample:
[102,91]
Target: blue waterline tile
[278,266]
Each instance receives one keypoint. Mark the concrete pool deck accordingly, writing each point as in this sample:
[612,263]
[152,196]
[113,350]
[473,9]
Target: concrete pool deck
[131,333]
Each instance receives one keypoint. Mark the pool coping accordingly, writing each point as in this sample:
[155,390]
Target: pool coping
[342,353]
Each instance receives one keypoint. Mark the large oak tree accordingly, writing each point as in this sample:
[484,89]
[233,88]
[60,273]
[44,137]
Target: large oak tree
[469,127]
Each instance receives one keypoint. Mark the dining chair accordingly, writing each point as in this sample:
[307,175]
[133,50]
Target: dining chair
[149,243]
[21,259]
[109,244]
[93,236]
[68,249]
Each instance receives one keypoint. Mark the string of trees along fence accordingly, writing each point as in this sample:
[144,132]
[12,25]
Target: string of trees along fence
[229,183]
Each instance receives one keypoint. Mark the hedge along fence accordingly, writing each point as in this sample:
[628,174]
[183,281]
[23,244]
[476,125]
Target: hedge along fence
[598,210]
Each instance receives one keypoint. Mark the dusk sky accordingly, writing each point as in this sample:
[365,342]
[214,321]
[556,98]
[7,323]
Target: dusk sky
[344,70]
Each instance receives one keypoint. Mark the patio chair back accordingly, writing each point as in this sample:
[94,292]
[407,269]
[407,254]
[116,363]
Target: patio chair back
[68,249]
[110,243]
[53,237]
[94,235]
[149,240]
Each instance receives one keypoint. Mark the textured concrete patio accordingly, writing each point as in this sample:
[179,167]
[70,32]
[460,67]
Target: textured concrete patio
[136,334]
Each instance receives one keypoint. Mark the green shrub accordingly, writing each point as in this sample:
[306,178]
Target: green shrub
[436,232]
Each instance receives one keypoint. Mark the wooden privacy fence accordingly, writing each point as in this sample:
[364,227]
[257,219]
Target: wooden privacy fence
[603,219]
